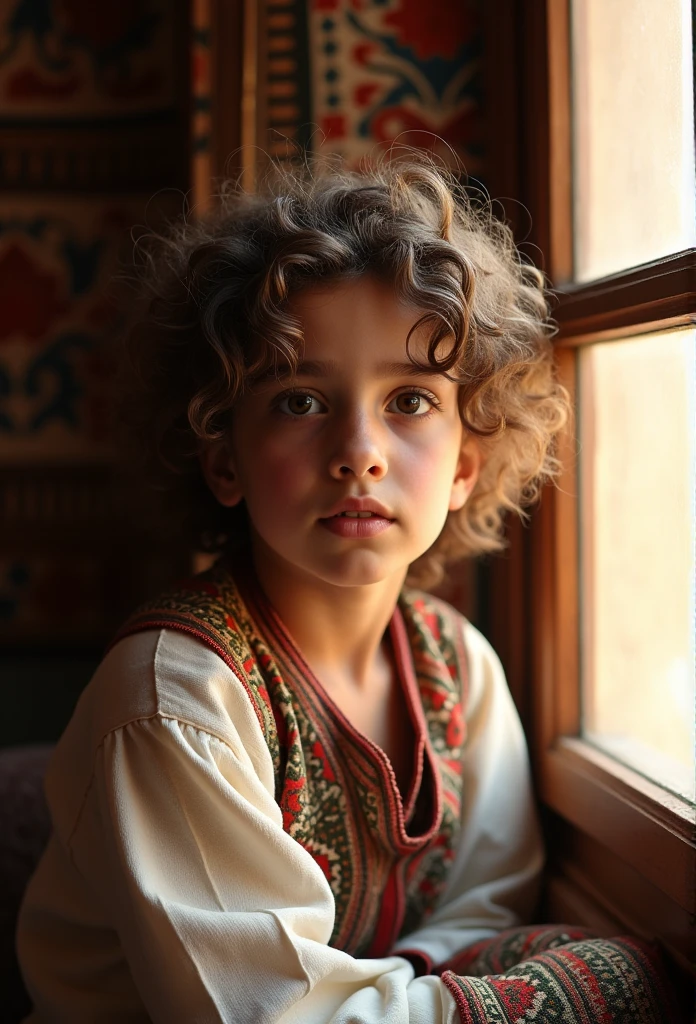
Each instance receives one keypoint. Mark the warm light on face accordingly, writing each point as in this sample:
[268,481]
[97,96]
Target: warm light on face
[357,420]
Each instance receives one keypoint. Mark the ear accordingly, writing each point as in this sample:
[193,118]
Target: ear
[466,475]
[217,466]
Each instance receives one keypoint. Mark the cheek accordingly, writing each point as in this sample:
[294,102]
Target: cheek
[277,474]
[430,466]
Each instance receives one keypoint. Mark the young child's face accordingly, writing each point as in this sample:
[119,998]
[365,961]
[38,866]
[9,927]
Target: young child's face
[355,422]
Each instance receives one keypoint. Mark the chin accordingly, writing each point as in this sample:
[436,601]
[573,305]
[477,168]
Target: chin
[358,569]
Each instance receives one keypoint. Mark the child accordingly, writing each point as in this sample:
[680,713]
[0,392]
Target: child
[297,789]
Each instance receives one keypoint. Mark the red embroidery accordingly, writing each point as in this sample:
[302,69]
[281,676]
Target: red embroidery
[517,996]
[327,771]
[290,802]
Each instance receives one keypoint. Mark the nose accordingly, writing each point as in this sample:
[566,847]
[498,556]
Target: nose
[357,449]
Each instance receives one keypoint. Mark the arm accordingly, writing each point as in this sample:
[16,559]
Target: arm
[494,879]
[214,910]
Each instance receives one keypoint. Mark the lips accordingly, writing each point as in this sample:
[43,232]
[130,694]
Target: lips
[358,515]
[361,505]
[356,527]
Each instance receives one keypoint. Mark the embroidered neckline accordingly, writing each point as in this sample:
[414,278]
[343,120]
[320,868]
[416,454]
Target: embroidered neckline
[269,624]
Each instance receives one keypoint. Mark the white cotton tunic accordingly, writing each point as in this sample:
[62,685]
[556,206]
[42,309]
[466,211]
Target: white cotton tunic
[170,891]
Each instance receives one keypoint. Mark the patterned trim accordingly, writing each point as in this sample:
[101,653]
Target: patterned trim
[386,859]
[595,981]
[287,89]
[511,947]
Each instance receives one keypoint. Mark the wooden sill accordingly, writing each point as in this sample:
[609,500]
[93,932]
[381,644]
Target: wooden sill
[659,295]
[587,883]
[652,830]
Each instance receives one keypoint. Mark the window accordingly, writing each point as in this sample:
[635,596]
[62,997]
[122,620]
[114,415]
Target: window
[632,129]
[636,416]
[596,613]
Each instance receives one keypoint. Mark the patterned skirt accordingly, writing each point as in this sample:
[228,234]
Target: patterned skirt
[562,975]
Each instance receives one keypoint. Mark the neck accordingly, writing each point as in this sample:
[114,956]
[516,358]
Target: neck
[339,629]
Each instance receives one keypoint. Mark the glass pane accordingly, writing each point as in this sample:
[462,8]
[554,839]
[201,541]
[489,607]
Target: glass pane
[633,133]
[637,413]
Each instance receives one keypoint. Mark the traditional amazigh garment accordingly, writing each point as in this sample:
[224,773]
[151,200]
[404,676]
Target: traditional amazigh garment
[227,847]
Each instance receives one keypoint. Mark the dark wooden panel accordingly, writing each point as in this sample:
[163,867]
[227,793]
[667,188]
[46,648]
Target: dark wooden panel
[660,292]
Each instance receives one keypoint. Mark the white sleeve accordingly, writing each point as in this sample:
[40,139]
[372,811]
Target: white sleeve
[221,916]
[494,880]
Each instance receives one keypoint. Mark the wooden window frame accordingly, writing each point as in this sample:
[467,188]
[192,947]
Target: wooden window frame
[628,856]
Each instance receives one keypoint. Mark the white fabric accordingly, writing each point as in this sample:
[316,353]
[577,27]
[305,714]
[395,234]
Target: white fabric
[169,891]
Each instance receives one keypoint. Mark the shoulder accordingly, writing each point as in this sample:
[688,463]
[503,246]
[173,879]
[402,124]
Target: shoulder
[158,675]
[170,673]
[158,679]
[182,654]
[166,695]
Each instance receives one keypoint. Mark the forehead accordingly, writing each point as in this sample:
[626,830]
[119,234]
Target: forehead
[362,315]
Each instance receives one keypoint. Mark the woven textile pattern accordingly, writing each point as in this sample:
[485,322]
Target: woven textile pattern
[591,981]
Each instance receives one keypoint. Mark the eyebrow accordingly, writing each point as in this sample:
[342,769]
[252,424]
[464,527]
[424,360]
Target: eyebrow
[325,369]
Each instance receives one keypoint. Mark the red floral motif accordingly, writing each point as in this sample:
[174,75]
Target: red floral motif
[323,862]
[516,995]
[432,623]
[362,52]
[392,121]
[28,296]
[432,29]
[363,94]
[290,801]
[334,126]
[436,696]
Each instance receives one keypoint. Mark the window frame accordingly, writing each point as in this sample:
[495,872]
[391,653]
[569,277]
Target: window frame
[603,805]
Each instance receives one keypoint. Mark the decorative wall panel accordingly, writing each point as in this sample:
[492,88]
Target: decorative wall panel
[58,260]
[94,122]
[406,70]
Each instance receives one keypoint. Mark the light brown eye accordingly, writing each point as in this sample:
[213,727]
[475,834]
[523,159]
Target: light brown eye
[408,403]
[412,403]
[298,405]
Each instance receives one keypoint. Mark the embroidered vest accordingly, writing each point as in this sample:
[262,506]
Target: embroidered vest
[385,858]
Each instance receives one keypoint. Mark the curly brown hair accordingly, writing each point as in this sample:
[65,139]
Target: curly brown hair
[213,318]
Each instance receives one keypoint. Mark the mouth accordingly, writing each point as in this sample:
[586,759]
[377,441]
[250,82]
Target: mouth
[358,515]
[356,525]
[365,506]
